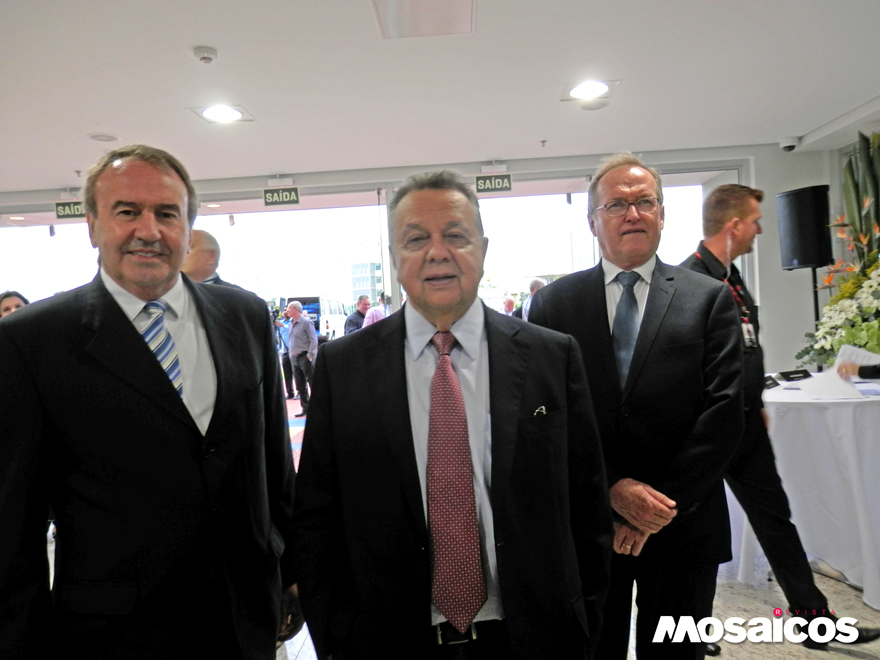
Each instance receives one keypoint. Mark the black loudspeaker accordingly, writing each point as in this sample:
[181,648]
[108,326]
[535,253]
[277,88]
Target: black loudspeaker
[804,237]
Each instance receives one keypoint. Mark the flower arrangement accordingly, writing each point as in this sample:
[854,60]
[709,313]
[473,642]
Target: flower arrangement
[852,316]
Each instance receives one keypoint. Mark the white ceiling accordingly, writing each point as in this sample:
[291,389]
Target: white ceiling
[329,94]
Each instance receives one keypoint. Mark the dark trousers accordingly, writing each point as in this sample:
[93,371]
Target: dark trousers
[287,369]
[302,374]
[753,478]
[663,590]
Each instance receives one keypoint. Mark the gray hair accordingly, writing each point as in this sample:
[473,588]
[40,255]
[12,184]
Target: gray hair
[536,284]
[155,157]
[362,297]
[296,303]
[621,159]
[442,180]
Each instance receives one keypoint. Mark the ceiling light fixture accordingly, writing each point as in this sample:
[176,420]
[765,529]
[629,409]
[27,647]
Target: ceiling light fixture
[213,206]
[222,114]
[16,217]
[103,137]
[588,90]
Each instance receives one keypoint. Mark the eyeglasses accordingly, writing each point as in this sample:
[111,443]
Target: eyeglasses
[619,208]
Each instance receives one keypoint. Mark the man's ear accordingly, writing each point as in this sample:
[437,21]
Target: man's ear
[393,257]
[90,221]
[662,217]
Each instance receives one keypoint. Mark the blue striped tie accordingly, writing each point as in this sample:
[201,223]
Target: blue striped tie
[162,344]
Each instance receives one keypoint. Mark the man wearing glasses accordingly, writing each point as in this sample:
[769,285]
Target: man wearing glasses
[663,357]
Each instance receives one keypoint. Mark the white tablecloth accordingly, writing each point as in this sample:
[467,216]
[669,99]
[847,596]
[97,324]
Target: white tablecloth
[828,455]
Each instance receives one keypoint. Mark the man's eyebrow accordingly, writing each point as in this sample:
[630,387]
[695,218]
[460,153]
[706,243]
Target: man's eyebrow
[123,204]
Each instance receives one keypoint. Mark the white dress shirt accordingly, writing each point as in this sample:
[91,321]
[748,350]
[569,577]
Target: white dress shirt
[614,289]
[470,359]
[183,323]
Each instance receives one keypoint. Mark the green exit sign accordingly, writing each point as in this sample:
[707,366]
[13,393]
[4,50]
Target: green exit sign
[65,210]
[494,183]
[280,196]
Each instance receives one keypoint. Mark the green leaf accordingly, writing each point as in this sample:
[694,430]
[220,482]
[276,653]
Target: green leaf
[851,203]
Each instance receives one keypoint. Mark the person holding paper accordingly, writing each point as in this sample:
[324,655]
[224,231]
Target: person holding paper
[850,369]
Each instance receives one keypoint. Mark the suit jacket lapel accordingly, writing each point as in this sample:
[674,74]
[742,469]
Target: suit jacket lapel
[660,294]
[508,355]
[390,399]
[113,341]
[596,330]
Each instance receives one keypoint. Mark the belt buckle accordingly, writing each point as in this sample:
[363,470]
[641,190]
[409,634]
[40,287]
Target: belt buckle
[468,635]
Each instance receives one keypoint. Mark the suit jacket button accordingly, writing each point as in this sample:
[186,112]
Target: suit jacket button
[624,412]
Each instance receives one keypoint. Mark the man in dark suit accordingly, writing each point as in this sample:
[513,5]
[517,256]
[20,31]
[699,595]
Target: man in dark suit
[163,447]
[201,263]
[504,556]
[666,387]
[522,312]
[731,222]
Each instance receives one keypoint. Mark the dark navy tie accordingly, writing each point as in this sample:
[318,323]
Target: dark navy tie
[626,324]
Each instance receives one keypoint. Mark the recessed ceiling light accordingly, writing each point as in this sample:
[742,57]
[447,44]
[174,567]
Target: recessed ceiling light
[16,217]
[222,114]
[589,90]
[103,137]
[213,206]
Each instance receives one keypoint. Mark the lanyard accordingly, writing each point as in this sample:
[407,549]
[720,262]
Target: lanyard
[736,291]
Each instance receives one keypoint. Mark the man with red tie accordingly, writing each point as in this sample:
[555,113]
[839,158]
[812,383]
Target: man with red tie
[473,520]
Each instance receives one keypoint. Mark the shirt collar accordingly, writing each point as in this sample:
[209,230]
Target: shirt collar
[713,263]
[645,270]
[468,330]
[131,305]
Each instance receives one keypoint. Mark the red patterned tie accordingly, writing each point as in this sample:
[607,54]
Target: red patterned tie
[458,587]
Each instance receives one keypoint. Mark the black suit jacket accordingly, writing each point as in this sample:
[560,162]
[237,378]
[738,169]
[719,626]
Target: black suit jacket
[518,312]
[362,537]
[703,261]
[145,504]
[678,420]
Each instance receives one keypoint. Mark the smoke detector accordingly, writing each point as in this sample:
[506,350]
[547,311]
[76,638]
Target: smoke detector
[205,54]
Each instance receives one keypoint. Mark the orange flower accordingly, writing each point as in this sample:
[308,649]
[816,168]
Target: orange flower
[876,229]
[863,239]
[866,203]
[850,268]
[840,221]
[828,279]
[841,232]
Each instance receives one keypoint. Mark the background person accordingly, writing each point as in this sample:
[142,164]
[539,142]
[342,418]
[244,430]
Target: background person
[355,320]
[522,311]
[303,342]
[10,301]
